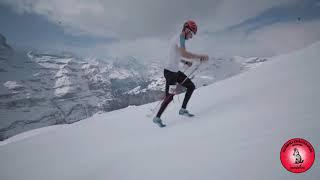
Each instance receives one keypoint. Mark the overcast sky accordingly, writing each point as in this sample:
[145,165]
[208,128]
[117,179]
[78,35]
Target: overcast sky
[142,28]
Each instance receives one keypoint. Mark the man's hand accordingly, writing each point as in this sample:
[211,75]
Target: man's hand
[204,58]
[188,63]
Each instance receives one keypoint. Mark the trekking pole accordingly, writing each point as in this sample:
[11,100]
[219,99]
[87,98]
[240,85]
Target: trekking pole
[191,76]
[166,97]
[152,109]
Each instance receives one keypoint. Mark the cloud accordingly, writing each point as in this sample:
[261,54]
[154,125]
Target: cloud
[277,38]
[125,19]
[142,28]
[285,37]
[232,12]
[266,41]
[144,48]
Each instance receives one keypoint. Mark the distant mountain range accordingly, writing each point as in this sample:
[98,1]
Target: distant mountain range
[38,89]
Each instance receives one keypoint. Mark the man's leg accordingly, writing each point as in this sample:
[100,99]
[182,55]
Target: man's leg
[171,79]
[164,104]
[190,88]
[187,84]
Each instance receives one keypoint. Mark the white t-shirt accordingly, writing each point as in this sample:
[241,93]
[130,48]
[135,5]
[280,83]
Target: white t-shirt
[174,54]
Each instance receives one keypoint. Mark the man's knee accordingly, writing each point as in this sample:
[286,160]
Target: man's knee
[168,98]
[191,87]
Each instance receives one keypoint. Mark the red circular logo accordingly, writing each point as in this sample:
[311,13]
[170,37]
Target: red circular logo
[297,155]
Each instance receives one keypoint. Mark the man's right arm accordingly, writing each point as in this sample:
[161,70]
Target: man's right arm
[186,54]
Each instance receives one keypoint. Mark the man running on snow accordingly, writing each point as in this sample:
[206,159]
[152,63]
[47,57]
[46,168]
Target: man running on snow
[172,74]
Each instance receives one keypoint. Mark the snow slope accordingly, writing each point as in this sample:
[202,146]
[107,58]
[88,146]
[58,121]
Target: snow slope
[240,125]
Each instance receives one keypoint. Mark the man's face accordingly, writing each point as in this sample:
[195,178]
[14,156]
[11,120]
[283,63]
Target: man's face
[189,33]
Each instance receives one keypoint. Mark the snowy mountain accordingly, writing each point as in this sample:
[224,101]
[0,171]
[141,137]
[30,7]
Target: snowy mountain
[240,126]
[43,89]
[39,89]
[48,90]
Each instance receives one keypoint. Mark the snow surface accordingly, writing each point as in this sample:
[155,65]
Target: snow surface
[30,133]
[240,126]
